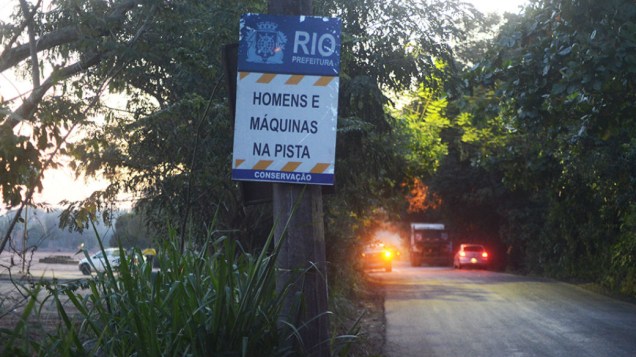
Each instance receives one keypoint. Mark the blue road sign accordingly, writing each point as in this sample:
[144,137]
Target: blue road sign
[307,45]
[287,99]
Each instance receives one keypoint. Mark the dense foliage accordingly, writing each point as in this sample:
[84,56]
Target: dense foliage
[545,167]
[166,142]
[569,84]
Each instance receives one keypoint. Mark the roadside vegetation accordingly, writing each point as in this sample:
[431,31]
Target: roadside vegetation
[540,157]
[213,299]
[516,133]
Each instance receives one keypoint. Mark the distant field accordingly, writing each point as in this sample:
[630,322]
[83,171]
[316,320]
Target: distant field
[59,264]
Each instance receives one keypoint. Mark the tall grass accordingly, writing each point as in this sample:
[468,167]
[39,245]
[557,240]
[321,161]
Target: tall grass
[216,300]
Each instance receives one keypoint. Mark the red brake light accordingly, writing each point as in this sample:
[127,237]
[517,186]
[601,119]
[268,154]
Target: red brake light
[484,254]
[462,253]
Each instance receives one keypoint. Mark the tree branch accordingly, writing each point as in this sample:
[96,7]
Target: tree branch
[15,55]
[35,68]
[17,33]
[29,105]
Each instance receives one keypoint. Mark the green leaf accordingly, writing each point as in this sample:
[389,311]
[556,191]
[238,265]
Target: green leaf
[558,88]
[565,51]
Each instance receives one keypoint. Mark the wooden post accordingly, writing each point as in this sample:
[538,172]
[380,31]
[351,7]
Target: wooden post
[303,249]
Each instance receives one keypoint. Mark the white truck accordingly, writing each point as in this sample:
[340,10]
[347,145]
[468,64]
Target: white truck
[430,243]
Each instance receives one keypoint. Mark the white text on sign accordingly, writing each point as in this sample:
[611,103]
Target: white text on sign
[325,44]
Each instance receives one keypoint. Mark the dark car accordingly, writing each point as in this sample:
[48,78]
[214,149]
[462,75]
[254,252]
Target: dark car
[471,255]
[377,256]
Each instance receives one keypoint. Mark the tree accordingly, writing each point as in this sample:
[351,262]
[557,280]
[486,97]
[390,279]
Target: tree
[168,144]
[73,50]
[389,48]
[190,183]
[562,76]
[171,145]
[121,46]
[132,232]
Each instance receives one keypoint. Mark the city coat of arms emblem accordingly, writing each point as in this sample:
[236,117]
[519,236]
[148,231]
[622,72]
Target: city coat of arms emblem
[266,44]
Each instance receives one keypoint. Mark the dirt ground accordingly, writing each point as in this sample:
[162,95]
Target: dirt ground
[14,282]
[373,323]
[35,268]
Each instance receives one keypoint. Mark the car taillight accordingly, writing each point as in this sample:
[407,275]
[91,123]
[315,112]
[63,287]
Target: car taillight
[484,254]
[462,254]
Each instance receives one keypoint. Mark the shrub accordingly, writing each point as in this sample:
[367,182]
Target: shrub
[214,300]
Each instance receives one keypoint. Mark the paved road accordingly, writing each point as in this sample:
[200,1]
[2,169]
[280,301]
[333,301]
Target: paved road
[444,312]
